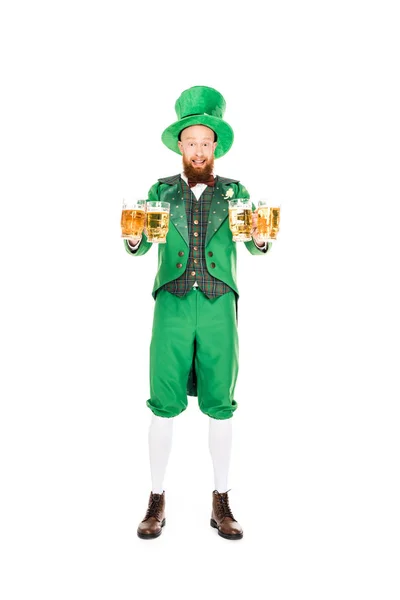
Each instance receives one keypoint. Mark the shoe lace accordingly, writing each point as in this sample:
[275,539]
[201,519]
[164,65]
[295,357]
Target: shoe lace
[154,507]
[223,505]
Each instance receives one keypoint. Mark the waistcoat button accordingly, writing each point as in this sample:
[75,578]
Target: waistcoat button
[193,273]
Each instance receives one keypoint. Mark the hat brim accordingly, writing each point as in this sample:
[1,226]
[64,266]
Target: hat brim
[221,128]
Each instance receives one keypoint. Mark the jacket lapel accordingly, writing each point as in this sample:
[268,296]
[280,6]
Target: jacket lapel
[219,210]
[173,195]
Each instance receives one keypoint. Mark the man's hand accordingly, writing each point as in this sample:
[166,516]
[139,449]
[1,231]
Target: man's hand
[254,233]
[134,240]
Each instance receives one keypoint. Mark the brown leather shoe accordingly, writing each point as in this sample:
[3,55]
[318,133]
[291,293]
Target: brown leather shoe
[223,519]
[154,520]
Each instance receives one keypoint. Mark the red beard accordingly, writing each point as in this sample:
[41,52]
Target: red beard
[196,174]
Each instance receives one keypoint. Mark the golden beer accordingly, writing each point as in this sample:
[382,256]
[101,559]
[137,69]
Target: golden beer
[132,222]
[240,219]
[263,222]
[268,221]
[240,222]
[157,226]
[274,220]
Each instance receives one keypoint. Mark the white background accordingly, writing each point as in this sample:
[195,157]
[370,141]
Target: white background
[313,97]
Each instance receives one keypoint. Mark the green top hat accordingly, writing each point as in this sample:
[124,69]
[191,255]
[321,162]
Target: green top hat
[200,105]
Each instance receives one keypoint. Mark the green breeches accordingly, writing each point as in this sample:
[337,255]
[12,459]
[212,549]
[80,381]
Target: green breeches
[194,330]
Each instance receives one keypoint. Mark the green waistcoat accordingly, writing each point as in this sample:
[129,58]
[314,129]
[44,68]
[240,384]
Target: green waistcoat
[197,215]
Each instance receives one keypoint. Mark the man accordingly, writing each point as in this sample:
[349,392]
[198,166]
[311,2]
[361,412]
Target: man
[194,346]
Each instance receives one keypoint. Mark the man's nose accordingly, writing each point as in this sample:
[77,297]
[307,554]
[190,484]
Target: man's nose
[199,151]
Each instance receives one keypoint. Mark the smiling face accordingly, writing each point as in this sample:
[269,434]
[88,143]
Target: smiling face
[197,147]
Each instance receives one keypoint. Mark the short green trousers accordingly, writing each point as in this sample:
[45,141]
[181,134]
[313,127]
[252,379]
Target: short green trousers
[194,327]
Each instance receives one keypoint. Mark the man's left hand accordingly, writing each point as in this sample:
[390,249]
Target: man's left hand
[254,232]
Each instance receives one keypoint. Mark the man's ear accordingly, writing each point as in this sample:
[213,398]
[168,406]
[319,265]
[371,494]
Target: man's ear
[180,146]
[215,144]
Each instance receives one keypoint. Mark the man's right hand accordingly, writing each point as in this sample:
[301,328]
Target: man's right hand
[133,241]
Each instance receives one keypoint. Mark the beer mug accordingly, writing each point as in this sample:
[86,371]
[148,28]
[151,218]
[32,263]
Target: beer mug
[132,218]
[268,220]
[157,221]
[240,219]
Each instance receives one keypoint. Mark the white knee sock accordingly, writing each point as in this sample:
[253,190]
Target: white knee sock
[220,444]
[160,443]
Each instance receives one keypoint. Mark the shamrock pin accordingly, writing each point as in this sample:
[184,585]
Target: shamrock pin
[229,194]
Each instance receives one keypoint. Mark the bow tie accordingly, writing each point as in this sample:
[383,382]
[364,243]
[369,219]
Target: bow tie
[210,182]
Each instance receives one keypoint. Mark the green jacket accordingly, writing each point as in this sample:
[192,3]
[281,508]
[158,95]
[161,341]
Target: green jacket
[218,237]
